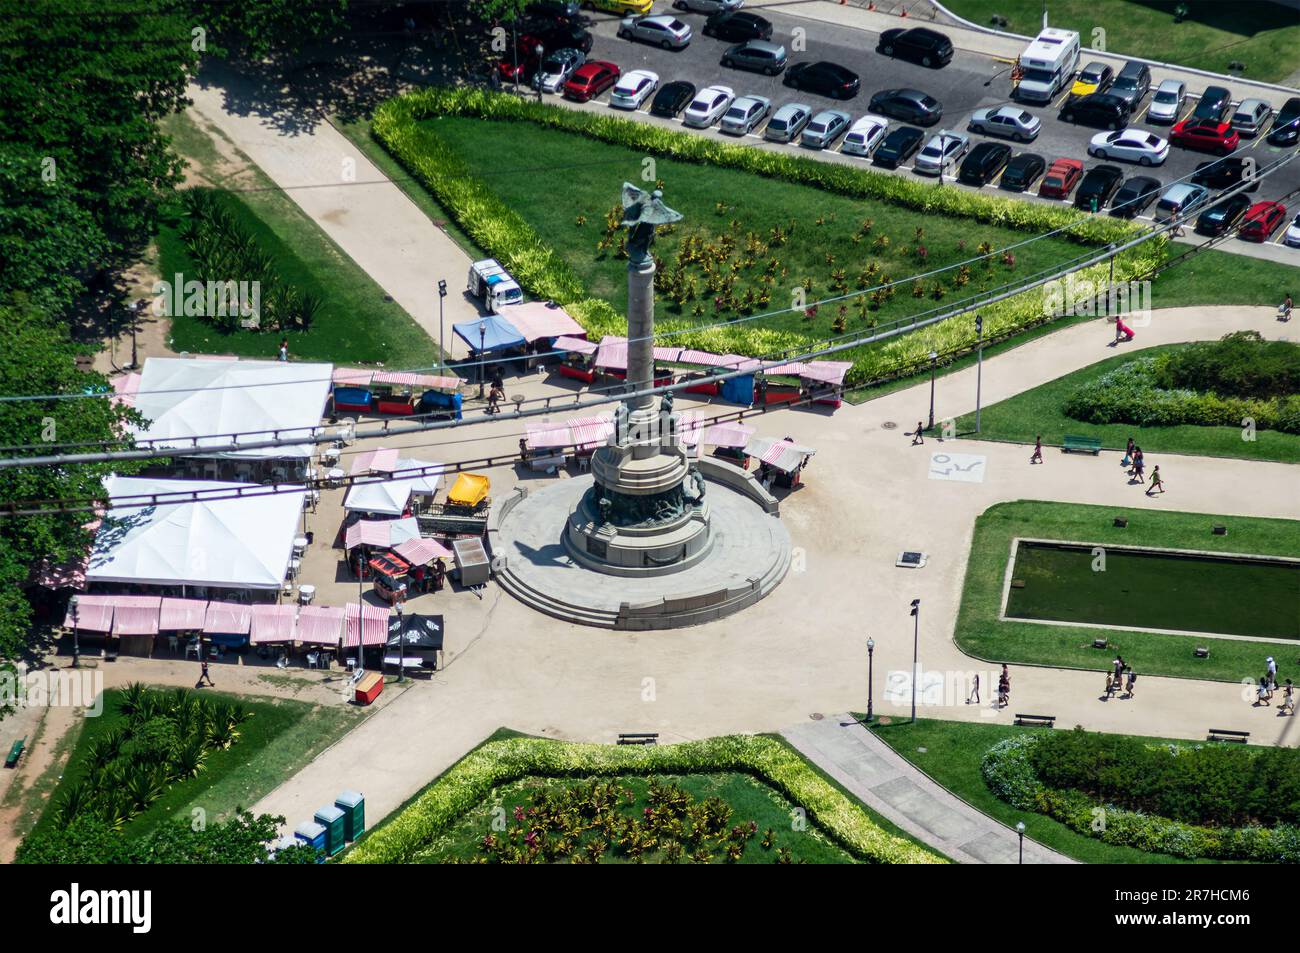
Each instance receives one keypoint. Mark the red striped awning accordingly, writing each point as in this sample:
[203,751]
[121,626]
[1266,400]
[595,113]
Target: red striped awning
[136,615]
[320,625]
[782,454]
[368,533]
[182,614]
[374,624]
[90,613]
[228,618]
[272,623]
[417,552]
[589,432]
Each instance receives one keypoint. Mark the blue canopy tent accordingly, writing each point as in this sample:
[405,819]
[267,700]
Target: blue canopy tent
[497,335]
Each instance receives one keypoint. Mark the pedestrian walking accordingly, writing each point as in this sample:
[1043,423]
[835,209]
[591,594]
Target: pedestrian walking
[1122,330]
[1128,454]
[974,696]
[204,676]
[1288,698]
[284,349]
[1117,666]
[1284,309]
[1038,450]
[1156,482]
[1263,693]
[1272,671]
[1110,684]
[1139,465]
[1004,687]
[919,435]
[1132,679]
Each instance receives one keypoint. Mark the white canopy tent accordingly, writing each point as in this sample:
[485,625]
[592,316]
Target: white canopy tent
[231,543]
[389,497]
[185,398]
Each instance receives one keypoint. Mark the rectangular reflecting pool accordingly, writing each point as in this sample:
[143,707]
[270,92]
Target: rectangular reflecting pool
[1155,589]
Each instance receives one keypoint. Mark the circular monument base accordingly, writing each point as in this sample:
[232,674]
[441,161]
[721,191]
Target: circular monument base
[748,555]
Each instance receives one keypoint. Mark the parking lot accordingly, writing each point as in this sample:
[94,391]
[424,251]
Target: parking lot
[971,81]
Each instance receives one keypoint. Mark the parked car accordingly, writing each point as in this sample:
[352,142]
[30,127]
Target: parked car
[1012,122]
[1061,178]
[672,98]
[561,11]
[1205,135]
[633,89]
[984,163]
[640,7]
[758,56]
[825,128]
[1223,216]
[555,36]
[1261,220]
[1251,116]
[1132,83]
[865,136]
[590,80]
[909,105]
[787,122]
[1225,173]
[1022,172]
[920,44]
[1180,202]
[1292,236]
[708,106]
[899,146]
[1098,185]
[522,62]
[943,150]
[1096,77]
[828,79]
[1100,110]
[556,68]
[745,114]
[1167,102]
[1286,124]
[667,32]
[1133,197]
[1213,104]
[737,26]
[1130,145]
[708,6]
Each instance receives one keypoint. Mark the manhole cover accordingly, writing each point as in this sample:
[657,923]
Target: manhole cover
[816,716]
[889,425]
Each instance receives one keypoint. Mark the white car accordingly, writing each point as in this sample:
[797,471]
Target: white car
[668,32]
[1131,145]
[1167,102]
[943,150]
[825,127]
[867,133]
[708,106]
[708,6]
[745,113]
[1292,236]
[1010,122]
[1251,116]
[633,89]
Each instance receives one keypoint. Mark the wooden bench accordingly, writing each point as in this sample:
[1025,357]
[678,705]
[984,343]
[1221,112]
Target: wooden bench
[15,752]
[1044,721]
[1227,734]
[639,738]
[1077,444]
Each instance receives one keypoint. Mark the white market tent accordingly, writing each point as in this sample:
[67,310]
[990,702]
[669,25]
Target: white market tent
[226,543]
[183,398]
[389,497]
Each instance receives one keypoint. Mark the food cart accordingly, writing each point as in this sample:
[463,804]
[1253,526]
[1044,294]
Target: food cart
[392,576]
[780,462]
[395,392]
[577,358]
[727,439]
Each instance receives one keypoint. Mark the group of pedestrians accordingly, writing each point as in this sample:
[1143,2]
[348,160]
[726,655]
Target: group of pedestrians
[1120,677]
[1136,463]
[1268,685]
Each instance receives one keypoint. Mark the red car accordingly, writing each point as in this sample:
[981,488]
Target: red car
[1205,135]
[591,79]
[1261,220]
[1061,178]
[522,62]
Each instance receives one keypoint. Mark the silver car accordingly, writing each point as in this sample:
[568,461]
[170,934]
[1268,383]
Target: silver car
[788,122]
[1251,116]
[556,68]
[1010,122]
[867,133]
[942,151]
[1179,202]
[745,114]
[1168,102]
[633,89]
[708,106]
[708,6]
[757,56]
[666,31]
[825,127]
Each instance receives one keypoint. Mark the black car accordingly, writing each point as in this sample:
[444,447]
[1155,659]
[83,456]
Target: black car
[983,164]
[1022,172]
[564,36]
[737,26]
[672,98]
[1133,197]
[1224,216]
[828,79]
[558,11]
[920,45]
[909,105]
[899,146]
[1100,110]
[1225,173]
[1213,104]
[1286,124]
[1098,185]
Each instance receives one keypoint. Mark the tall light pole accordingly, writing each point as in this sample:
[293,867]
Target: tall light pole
[916,651]
[979,366]
[934,358]
[135,317]
[871,650]
[538,50]
[442,355]
[482,342]
[1020,829]
[76,648]
[401,646]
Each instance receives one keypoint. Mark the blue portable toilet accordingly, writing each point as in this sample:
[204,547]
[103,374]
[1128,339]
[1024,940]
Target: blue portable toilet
[313,835]
[738,390]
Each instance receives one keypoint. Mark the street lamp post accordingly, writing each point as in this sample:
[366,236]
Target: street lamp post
[979,366]
[135,317]
[934,358]
[482,341]
[401,646]
[1020,829]
[916,651]
[871,651]
[514,50]
[442,355]
[76,648]
[538,50]
[361,605]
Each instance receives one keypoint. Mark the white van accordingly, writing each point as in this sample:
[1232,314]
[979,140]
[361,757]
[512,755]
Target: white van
[493,284]
[1048,64]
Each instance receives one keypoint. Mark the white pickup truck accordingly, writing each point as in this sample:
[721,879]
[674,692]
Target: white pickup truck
[493,284]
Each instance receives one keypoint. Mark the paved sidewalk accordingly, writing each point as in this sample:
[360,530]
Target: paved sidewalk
[891,786]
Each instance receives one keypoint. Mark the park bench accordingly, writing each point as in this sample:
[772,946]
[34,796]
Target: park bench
[15,752]
[1227,734]
[1077,444]
[639,738]
[1044,721]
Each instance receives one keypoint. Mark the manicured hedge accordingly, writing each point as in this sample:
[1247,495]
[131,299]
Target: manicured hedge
[471,780]
[503,233]
[1240,364]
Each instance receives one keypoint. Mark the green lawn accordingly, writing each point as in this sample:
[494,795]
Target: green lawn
[1038,411]
[356,324]
[1263,35]
[1219,277]
[979,631]
[950,752]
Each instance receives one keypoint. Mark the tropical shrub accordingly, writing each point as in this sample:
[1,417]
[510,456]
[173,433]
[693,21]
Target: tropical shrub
[1241,364]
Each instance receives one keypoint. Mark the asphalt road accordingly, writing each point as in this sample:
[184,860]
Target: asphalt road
[971,81]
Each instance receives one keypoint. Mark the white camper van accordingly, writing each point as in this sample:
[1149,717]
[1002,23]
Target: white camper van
[1048,64]
[489,281]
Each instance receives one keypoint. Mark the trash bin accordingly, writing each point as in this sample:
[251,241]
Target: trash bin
[332,819]
[313,835]
[353,806]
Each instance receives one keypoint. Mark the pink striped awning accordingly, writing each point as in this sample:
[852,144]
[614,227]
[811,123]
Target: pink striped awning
[546,434]
[590,432]
[320,625]
[136,615]
[228,618]
[182,614]
[368,533]
[383,460]
[272,623]
[417,552]
[782,454]
[730,434]
[576,345]
[374,624]
[91,613]
[537,319]
[826,372]
[360,377]
[612,352]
